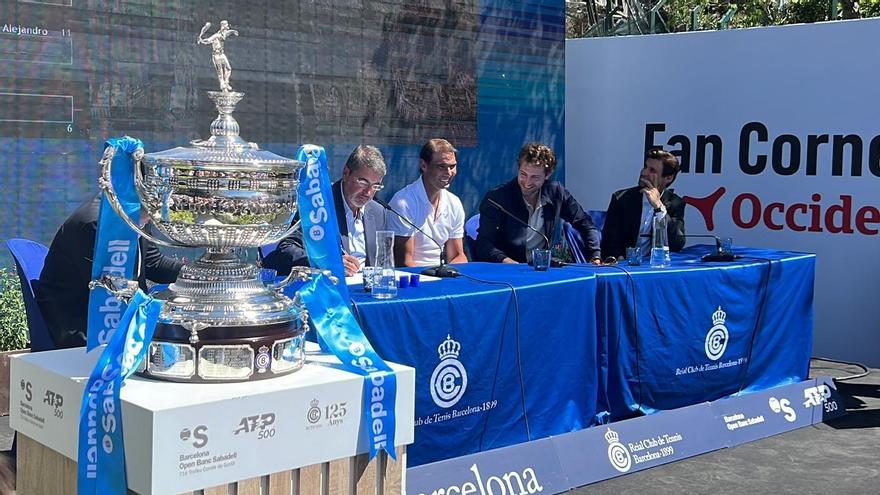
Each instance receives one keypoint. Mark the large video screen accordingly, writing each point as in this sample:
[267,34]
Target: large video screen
[330,72]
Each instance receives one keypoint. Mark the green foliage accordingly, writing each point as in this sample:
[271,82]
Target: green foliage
[676,14]
[869,8]
[13,320]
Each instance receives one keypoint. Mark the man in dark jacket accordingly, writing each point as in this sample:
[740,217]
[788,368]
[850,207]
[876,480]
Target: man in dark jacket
[358,216]
[535,204]
[63,289]
[629,221]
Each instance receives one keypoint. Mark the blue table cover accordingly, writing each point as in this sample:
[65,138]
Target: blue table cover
[702,331]
[529,373]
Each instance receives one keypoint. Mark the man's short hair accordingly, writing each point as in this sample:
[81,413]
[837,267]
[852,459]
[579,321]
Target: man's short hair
[538,154]
[366,156]
[436,145]
[667,159]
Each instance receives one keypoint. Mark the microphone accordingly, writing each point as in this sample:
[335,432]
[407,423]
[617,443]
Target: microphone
[443,270]
[553,262]
[520,220]
[718,255]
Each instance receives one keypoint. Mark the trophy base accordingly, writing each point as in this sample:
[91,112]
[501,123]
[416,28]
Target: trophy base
[225,354]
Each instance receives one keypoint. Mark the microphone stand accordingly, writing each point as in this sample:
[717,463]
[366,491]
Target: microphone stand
[554,263]
[443,270]
[718,255]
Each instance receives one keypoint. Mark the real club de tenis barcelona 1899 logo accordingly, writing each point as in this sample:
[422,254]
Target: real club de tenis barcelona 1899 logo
[449,379]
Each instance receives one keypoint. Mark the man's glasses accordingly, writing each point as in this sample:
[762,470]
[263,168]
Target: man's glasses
[364,183]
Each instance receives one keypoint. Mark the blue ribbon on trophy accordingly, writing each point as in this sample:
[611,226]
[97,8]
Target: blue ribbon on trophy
[101,453]
[336,326]
[116,245]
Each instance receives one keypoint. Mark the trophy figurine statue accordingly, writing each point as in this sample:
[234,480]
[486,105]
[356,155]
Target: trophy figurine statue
[220,321]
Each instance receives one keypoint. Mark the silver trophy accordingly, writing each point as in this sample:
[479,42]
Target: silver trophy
[220,322]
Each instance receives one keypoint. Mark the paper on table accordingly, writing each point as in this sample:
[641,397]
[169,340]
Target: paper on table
[358,278]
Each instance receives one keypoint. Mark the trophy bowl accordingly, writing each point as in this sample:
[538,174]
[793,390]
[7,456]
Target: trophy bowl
[220,321]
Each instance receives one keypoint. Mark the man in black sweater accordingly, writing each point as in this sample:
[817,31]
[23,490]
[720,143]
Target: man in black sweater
[534,200]
[63,289]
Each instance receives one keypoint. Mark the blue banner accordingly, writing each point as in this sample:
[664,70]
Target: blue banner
[116,245]
[101,455]
[338,331]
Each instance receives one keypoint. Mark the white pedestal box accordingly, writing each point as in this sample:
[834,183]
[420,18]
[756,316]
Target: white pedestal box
[181,437]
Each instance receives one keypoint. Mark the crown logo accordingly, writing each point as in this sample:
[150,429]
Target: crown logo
[449,348]
[611,436]
[719,316]
[314,403]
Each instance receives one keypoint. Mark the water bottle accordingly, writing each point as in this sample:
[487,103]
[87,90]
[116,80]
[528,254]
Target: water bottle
[659,243]
[384,281]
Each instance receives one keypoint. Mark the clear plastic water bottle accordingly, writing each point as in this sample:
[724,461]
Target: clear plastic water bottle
[384,280]
[659,243]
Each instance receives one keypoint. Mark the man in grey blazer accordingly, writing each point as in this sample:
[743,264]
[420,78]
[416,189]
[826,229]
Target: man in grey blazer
[358,216]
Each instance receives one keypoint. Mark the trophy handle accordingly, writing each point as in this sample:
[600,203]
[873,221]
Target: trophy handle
[106,184]
[302,273]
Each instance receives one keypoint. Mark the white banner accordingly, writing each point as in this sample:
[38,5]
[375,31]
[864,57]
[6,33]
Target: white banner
[778,130]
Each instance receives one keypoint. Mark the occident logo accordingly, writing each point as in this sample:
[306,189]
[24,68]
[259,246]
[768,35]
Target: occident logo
[716,339]
[449,379]
[618,454]
[782,405]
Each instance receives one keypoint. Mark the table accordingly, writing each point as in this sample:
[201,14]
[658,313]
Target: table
[491,369]
[581,355]
[673,350]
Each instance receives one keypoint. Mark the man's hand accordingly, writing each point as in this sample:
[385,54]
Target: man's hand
[650,191]
[509,260]
[352,265]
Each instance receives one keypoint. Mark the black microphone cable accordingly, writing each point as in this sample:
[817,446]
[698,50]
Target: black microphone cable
[635,317]
[498,364]
[357,316]
[765,288]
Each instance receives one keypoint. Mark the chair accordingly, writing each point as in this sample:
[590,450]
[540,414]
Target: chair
[470,234]
[29,257]
[598,217]
[575,242]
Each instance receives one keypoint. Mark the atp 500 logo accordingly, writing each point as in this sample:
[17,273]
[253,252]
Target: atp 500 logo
[261,424]
[449,379]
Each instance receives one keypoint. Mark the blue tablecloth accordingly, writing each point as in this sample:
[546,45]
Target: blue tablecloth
[701,331]
[486,378]
[583,345]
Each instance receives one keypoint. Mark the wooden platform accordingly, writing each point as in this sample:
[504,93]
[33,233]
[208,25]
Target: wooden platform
[42,471]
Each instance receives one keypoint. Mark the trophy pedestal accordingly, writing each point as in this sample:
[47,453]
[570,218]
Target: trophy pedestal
[297,432]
